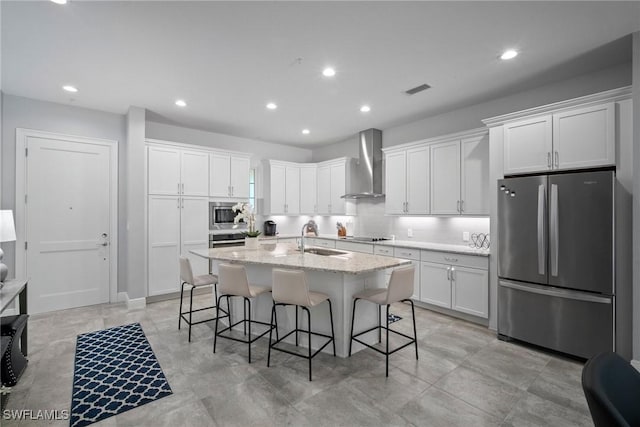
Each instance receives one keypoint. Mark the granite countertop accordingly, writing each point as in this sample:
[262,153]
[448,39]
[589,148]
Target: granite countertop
[413,244]
[286,255]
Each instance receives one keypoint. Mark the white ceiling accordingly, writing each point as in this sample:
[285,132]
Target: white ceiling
[228,59]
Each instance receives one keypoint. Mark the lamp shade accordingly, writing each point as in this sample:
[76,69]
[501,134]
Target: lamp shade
[7,228]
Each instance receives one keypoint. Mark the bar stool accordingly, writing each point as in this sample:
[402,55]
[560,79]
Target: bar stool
[234,283]
[187,278]
[400,289]
[290,287]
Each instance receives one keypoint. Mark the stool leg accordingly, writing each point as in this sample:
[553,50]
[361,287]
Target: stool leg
[415,334]
[379,323]
[249,304]
[387,352]
[180,313]
[273,316]
[215,332]
[296,307]
[332,333]
[309,334]
[244,308]
[191,310]
[353,319]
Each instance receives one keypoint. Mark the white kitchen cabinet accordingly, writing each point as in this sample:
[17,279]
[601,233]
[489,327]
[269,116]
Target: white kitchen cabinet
[308,189]
[176,224]
[323,243]
[332,184]
[365,248]
[584,137]
[528,145]
[283,182]
[474,177]
[229,176]
[414,256]
[455,281]
[407,181]
[574,138]
[175,171]
[445,178]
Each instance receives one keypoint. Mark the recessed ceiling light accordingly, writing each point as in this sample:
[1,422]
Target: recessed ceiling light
[70,88]
[365,109]
[271,106]
[328,72]
[509,54]
[306,131]
[59,1]
[181,103]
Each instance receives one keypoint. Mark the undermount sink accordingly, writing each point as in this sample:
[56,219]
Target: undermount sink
[324,252]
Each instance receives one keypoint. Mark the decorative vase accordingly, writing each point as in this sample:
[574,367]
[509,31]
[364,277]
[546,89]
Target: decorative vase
[251,242]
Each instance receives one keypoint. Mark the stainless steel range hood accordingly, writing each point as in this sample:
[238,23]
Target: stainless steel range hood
[366,182]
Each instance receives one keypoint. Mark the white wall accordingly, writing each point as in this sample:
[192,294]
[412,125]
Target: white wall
[636,200]
[18,112]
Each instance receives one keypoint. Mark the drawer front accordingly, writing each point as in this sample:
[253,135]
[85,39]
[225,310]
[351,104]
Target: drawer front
[320,242]
[412,254]
[383,250]
[355,247]
[473,261]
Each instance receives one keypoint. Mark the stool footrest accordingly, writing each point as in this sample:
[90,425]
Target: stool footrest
[202,321]
[249,340]
[317,334]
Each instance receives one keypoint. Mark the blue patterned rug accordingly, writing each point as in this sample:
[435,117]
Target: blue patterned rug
[394,318]
[115,370]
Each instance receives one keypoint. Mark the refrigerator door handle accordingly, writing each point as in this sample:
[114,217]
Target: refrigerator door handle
[542,255]
[560,293]
[553,230]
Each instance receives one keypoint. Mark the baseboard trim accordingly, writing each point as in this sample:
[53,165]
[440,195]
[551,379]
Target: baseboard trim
[132,304]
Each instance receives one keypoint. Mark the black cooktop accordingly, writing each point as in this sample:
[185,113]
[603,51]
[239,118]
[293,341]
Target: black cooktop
[368,238]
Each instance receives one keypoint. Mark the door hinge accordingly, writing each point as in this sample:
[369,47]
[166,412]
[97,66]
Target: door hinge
[25,245]
[26,152]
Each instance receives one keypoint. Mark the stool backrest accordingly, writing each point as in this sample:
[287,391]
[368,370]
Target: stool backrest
[232,280]
[400,284]
[290,287]
[186,273]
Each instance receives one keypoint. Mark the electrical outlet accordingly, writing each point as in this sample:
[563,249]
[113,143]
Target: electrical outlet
[409,232]
[465,236]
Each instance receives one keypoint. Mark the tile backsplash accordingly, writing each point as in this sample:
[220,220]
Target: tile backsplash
[371,221]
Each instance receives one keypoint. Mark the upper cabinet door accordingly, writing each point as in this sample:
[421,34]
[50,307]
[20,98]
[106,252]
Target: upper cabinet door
[474,191]
[445,178]
[240,177]
[195,173]
[395,183]
[338,188]
[163,170]
[278,183]
[324,189]
[417,181]
[308,190]
[219,175]
[292,190]
[584,138]
[528,145]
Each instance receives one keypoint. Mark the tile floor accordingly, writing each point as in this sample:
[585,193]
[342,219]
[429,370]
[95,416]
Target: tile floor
[464,377]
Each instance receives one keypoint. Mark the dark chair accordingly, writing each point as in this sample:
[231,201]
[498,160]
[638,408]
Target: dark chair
[13,361]
[612,388]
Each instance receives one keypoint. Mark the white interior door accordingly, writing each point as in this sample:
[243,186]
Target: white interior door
[68,223]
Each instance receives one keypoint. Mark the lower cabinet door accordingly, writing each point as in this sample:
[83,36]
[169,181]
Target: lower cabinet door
[470,291]
[194,231]
[164,244]
[435,286]
[416,281]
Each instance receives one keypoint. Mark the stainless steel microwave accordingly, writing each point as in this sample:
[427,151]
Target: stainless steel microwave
[221,216]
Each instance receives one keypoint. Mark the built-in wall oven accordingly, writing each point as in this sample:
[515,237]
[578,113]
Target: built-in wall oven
[226,238]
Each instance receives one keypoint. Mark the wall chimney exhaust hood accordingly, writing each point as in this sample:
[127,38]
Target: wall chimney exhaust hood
[366,182]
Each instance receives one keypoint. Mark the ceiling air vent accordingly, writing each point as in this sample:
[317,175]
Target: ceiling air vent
[417,89]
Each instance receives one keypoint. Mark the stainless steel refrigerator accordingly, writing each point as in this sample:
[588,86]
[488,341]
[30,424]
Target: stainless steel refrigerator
[556,264]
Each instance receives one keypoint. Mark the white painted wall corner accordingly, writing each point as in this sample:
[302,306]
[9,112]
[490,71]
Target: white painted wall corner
[132,304]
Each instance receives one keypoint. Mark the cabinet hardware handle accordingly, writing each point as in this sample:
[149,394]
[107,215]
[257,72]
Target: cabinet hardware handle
[448,273]
[178,188]
[549,159]
[557,160]
[183,188]
[407,203]
[461,206]
[453,277]
[405,253]
[451,259]
[458,205]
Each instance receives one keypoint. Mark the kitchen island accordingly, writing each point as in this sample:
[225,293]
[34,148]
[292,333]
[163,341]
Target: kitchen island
[339,274]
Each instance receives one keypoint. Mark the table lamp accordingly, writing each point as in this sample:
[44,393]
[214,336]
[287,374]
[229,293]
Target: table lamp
[7,234]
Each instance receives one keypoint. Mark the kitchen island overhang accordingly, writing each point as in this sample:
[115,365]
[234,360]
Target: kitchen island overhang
[340,276]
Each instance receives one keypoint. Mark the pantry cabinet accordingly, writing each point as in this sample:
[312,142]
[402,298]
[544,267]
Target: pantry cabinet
[573,138]
[229,177]
[173,171]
